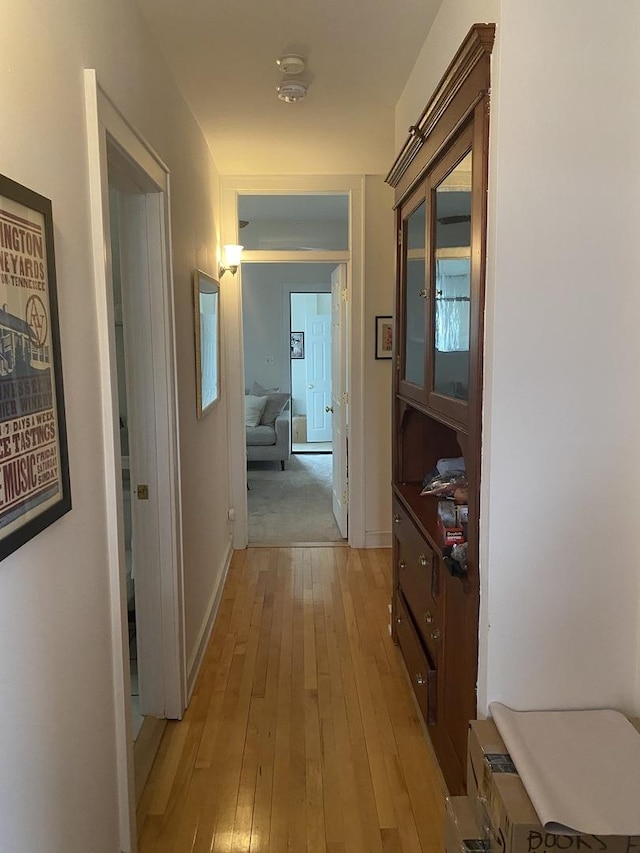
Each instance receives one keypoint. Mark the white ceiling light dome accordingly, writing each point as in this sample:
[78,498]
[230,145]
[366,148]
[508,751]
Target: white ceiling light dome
[291,63]
[292,91]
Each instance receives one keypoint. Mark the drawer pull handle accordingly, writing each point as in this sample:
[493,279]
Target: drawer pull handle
[396,518]
[399,620]
[402,564]
[428,617]
[436,634]
[422,560]
[420,679]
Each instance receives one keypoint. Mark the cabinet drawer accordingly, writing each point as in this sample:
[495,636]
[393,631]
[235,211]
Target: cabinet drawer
[403,528]
[421,570]
[421,672]
[414,583]
[414,580]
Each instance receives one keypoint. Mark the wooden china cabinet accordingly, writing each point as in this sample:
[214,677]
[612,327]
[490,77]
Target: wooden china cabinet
[440,182]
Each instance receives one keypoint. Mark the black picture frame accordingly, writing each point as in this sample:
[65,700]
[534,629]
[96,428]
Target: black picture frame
[35,489]
[384,337]
[297,344]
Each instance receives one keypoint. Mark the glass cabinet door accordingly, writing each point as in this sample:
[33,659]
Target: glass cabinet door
[436,302]
[449,356]
[414,320]
[452,282]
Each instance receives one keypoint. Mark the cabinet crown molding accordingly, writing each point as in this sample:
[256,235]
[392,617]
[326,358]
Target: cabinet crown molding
[477,45]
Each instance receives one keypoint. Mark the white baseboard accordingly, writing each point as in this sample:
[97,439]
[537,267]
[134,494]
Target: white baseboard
[377,539]
[195,660]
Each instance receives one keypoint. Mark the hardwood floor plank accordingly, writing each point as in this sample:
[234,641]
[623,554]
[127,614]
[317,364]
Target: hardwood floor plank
[177,737]
[243,822]
[297,764]
[302,734]
[279,827]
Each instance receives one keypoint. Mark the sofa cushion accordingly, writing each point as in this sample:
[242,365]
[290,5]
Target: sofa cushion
[260,436]
[259,390]
[275,405]
[253,409]
[276,402]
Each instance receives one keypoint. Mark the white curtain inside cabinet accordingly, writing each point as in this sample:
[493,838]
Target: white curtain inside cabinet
[452,304]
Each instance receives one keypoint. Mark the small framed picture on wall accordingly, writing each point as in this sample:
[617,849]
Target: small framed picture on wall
[297,344]
[384,337]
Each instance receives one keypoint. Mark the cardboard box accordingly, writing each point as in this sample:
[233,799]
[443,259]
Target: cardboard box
[450,535]
[508,819]
[462,832]
[299,429]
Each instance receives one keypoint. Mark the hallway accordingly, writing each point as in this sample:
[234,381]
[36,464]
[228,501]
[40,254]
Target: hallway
[302,733]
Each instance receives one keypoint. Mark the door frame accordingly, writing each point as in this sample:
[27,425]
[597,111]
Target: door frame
[339,402]
[107,128]
[231,294]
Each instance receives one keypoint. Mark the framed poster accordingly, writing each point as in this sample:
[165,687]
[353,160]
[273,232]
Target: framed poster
[384,337]
[34,469]
[206,303]
[297,344]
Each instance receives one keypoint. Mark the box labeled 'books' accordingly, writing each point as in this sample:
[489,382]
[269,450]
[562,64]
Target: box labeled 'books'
[509,821]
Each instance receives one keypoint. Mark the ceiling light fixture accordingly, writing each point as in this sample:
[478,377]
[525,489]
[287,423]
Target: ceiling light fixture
[292,91]
[291,63]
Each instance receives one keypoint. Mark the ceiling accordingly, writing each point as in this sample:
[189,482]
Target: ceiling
[359,52]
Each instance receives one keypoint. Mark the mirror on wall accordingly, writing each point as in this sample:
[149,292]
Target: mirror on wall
[206,301]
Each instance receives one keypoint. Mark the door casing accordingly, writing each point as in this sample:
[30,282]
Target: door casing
[110,136]
[231,293]
[340,400]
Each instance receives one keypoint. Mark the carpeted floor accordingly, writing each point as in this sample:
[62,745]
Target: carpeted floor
[294,505]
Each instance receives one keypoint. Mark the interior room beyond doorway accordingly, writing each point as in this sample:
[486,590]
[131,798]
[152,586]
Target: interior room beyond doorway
[286,330]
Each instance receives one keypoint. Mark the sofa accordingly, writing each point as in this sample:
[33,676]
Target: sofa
[268,425]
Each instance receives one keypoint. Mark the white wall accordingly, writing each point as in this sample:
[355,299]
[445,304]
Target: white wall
[563,587]
[451,24]
[378,300]
[266,290]
[560,589]
[58,786]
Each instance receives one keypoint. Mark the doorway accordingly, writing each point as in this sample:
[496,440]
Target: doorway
[123,369]
[288,334]
[129,213]
[273,217]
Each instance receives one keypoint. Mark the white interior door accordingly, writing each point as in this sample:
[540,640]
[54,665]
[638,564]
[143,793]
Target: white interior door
[318,374]
[339,397]
[141,408]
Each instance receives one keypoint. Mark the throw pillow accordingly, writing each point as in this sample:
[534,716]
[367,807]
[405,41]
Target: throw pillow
[253,409]
[259,391]
[275,404]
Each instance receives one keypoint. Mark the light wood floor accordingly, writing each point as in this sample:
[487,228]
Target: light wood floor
[302,734]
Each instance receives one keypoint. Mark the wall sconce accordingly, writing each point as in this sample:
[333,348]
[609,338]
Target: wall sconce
[232,256]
